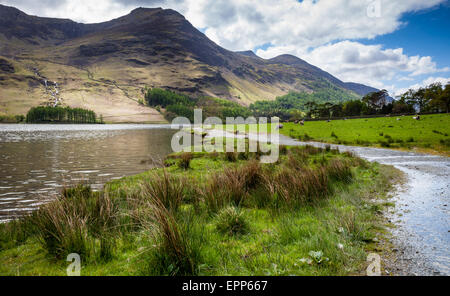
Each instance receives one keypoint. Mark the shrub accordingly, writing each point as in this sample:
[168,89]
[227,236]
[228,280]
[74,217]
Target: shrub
[231,156]
[231,221]
[185,160]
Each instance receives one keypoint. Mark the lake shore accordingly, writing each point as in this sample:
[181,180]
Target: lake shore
[328,235]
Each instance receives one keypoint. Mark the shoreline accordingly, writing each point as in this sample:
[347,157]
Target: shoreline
[262,228]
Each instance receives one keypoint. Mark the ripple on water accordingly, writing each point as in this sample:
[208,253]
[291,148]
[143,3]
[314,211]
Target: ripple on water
[44,158]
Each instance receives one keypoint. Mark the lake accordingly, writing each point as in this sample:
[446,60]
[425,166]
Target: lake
[37,161]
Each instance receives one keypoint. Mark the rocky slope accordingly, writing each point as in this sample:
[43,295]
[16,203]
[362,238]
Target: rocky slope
[106,66]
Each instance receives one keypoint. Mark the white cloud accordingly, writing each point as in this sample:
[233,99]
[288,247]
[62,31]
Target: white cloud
[240,25]
[424,83]
[369,64]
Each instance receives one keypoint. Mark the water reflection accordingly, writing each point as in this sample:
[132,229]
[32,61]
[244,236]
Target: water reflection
[36,161]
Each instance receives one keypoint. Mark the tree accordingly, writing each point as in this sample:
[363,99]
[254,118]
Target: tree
[375,101]
[353,108]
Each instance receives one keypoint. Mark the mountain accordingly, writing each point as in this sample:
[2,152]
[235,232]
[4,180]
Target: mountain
[360,89]
[106,66]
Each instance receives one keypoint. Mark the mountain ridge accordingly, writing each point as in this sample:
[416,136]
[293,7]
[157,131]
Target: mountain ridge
[149,47]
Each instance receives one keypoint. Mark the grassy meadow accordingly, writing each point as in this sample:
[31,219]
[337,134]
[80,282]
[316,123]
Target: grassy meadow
[429,134]
[315,212]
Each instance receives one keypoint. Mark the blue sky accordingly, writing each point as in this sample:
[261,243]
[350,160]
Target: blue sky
[424,33]
[391,44]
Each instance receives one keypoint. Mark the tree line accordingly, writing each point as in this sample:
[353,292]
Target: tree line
[46,114]
[175,105]
[432,99]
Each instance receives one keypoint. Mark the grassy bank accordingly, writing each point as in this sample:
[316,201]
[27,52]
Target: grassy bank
[315,212]
[430,134]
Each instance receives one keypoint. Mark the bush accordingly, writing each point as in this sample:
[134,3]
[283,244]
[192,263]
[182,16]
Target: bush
[185,160]
[232,221]
[231,156]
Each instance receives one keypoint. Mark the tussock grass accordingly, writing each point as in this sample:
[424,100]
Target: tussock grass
[185,160]
[217,218]
[232,221]
[167,189]
[77,223]
[178,247]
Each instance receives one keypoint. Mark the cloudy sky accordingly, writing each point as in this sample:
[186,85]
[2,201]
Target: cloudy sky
[392,44]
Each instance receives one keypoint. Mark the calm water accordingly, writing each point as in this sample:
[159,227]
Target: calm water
[36,161]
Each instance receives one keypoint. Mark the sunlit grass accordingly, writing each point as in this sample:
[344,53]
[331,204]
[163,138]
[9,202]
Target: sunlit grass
[311,217]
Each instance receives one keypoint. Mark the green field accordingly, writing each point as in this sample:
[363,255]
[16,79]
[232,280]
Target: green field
[315,212]
[429,134]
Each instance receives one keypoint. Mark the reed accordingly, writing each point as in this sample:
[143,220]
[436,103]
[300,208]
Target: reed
[166,188]
[178,249]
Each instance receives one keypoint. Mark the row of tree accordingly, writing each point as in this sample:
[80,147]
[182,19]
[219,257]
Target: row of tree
[435,98]
[432,99]
[176,105]
[48,114]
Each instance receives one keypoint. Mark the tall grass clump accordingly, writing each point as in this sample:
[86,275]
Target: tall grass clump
[185,160]
[76,222]
[63,229]
[166,188]
[231,186]
[339,170]
[297,188]
[15,233]
[231,156]
[178,243]
[231,221]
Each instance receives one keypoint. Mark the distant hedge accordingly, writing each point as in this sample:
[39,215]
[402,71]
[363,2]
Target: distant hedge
[12,118]
[60,115]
